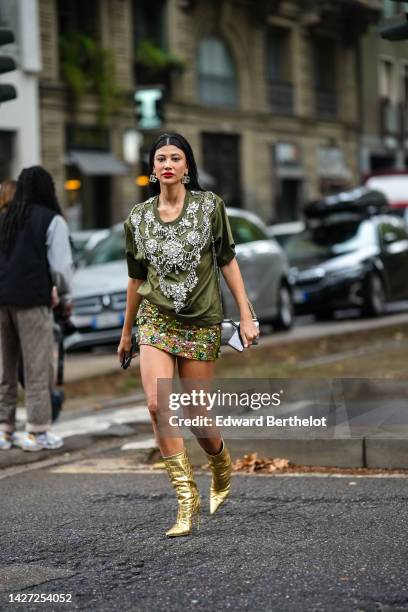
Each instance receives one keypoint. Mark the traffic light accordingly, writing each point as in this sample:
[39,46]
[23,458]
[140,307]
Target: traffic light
[7,64]
[394,29]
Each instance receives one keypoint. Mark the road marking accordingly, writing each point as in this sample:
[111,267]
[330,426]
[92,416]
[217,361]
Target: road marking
[98,422]
[139,445]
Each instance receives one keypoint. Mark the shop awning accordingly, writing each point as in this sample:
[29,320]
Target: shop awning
[97,163]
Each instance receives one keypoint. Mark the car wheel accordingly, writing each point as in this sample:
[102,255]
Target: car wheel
[285,317]
[375,299]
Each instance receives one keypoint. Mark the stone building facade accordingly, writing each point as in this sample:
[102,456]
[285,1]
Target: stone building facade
[296,120]
[266,92]
[75,145]
[384,98]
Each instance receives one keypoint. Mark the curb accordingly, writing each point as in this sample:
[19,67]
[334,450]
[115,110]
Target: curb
[343,453]
[384,453]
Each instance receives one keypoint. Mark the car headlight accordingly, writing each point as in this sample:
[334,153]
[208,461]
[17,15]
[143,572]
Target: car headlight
[355,272]
[310,275]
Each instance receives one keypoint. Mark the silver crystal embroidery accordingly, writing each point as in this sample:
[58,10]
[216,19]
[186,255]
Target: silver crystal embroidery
[151,245]
[193,237]
[175,248]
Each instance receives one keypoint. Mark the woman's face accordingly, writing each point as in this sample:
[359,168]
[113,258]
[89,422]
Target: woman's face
[170,165]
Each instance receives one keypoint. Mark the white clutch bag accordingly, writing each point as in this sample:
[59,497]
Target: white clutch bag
[230,334]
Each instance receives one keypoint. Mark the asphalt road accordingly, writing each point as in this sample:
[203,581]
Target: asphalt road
[279,544]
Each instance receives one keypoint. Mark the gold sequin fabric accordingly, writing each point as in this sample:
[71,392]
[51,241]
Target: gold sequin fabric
[180,339]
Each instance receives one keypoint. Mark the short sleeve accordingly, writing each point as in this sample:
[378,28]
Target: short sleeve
[223,239]
[136,265]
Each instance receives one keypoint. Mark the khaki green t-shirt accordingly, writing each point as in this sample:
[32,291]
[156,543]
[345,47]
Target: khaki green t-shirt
[175,258]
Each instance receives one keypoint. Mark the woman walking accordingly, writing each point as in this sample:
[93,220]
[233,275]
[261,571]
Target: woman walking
[172,288]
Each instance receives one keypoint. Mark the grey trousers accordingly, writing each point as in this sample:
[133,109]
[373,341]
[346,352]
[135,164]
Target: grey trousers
[28,330]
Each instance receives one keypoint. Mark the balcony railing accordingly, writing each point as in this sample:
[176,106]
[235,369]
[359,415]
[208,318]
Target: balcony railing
[326,104]
[281,97]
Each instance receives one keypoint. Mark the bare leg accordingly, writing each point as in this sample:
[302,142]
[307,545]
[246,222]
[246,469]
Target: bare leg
[155,364]
[201,370]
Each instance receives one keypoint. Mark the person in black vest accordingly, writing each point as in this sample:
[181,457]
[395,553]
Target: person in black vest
[35,255]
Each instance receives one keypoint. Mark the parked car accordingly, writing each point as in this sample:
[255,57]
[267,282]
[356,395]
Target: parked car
[353,253]
[83,241]
[99,288]
[283,231]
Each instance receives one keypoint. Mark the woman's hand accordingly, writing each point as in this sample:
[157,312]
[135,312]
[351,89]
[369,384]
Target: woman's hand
[125,346]
[249,331]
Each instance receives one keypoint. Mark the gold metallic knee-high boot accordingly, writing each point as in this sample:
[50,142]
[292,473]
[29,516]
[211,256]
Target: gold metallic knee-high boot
[181,475]
[221,468]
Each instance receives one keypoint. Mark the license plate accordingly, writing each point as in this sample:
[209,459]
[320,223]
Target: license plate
[109,319]
[299,296]
[82,321]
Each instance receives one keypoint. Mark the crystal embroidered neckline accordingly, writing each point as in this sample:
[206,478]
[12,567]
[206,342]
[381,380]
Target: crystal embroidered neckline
[175,246]
[179,216]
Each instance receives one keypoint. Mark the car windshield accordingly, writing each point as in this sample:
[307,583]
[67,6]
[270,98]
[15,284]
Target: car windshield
[111,248]
[326,241]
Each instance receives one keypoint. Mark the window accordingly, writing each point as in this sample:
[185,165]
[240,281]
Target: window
[149,21]
[391,8]
[404,84]
[325,241]
[278,54]
[278,74]
[388,92]
[109,249]
[325,74]
[404,96]
[217,83]
[79,16]
[325,64]
[244,231]
[387,81]
[393,231]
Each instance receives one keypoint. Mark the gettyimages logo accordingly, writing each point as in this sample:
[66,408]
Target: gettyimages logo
[219,399]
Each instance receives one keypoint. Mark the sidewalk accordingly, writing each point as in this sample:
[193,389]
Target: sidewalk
[130,420]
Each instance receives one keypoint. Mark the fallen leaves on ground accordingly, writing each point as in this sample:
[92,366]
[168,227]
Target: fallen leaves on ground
[251,463]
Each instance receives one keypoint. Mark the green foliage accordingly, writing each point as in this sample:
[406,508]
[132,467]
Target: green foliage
[157,59]
[87,66]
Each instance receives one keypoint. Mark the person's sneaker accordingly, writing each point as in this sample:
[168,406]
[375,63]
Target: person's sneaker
[5,440]
[36,442]
[49,440]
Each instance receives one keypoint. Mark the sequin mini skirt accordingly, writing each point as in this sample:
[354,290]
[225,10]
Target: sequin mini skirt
[180,339]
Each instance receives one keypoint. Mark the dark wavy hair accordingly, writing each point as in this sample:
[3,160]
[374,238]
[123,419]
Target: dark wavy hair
[34,186]
[178,141]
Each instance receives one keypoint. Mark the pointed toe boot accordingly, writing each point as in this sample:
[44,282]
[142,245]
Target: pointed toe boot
[221,468]
[181,476]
